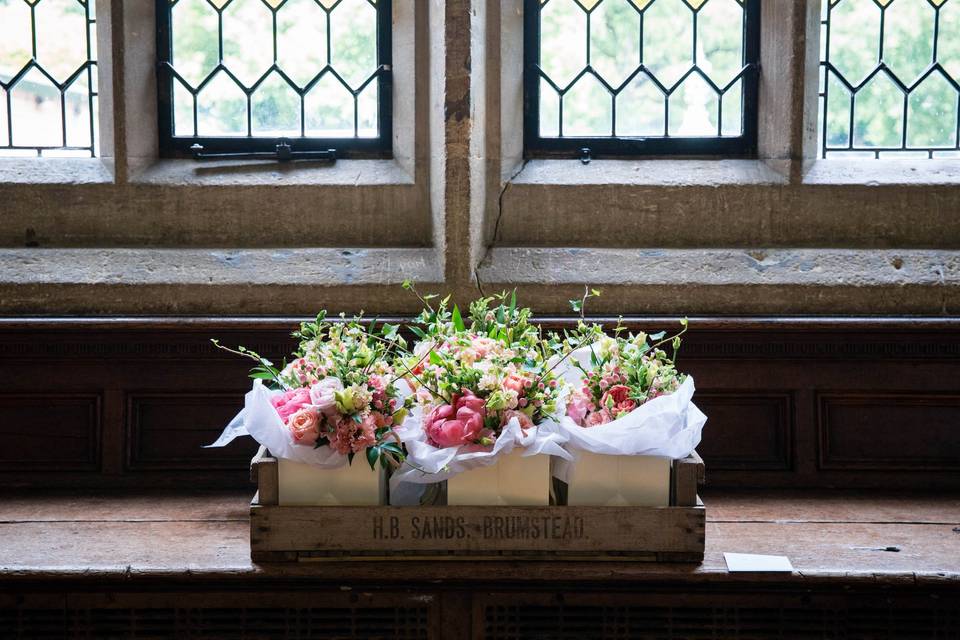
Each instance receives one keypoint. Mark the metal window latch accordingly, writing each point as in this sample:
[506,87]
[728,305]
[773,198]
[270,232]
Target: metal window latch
[283,153]
[586,155]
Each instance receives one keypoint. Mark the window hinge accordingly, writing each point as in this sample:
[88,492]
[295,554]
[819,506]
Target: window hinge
[282,153]
[586,155]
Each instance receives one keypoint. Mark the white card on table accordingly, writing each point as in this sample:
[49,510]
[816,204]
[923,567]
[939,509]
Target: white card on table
[750,562]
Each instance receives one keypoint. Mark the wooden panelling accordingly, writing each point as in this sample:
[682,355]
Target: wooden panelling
[791,402]
[890,431]
[43,431]
[746,430]
[169,430]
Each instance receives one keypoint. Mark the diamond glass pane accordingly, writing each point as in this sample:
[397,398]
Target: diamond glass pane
[632,69]
[890,79]
[305,70]
[48,84]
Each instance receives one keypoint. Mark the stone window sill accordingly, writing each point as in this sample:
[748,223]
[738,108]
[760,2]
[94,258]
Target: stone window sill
[648,173]
[252,173]
[56,171]
[883,173]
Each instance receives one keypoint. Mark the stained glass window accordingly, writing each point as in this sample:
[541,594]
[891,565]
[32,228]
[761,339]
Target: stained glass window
[241,75]
[48,78]
[890,79]
[641,76]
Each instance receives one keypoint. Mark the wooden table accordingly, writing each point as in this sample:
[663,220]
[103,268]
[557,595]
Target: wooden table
[72,558]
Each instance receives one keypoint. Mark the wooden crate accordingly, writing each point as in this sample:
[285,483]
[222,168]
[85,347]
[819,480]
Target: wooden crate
[663,534]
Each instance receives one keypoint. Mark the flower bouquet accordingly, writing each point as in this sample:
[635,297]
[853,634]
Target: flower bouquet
[485,395]
[339,397]
[628,416]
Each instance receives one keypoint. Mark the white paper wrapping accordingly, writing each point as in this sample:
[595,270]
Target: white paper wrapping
[427,464]
[260,420]
[669,426]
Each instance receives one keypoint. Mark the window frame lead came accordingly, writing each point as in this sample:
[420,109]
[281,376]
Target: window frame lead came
[286,147]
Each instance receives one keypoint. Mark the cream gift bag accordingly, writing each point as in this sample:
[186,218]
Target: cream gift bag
[475,475]
[352,485]
[514,480]
[600,480]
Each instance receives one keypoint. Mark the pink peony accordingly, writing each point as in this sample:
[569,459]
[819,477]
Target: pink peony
[460,422]
[304,427]
[289,402]
[578,407]
[322,395]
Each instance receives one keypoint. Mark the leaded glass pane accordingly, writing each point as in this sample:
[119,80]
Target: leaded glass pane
[48,78]
[305,70]
[640,69]
[890,81]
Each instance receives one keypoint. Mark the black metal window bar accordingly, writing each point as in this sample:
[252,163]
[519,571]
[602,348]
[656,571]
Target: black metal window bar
[885,90]
[737,93]
[48,74]
[181,130]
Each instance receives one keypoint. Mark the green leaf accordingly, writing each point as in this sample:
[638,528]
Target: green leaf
[595,292]
[657,336]
[576,305]
[435,358]
[417,331]
[373,454]
[389,330]
[513,302]
[407,284]
[458,319]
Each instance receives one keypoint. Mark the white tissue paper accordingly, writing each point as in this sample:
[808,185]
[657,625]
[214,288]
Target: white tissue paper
[307,475]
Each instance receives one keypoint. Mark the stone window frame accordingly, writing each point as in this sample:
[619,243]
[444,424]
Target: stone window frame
[462,211]
[180,202]
[782,222]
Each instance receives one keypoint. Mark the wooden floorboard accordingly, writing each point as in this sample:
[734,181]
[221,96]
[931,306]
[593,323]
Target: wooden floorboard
[895,539]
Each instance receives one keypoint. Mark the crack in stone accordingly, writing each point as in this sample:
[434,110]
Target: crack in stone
[496,226]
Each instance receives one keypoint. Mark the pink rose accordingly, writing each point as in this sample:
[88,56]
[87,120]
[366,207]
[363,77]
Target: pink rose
[513,382]
[304,427]
[597,418]
[322,395]
[618,393]
[624,407]
[525,421]
[578,407]
[460,422]
[289,402]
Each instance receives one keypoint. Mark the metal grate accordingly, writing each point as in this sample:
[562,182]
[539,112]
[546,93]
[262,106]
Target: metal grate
[676,623]
[890,78]
[640,77]
[284,76]
[401,623]
[48,83]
